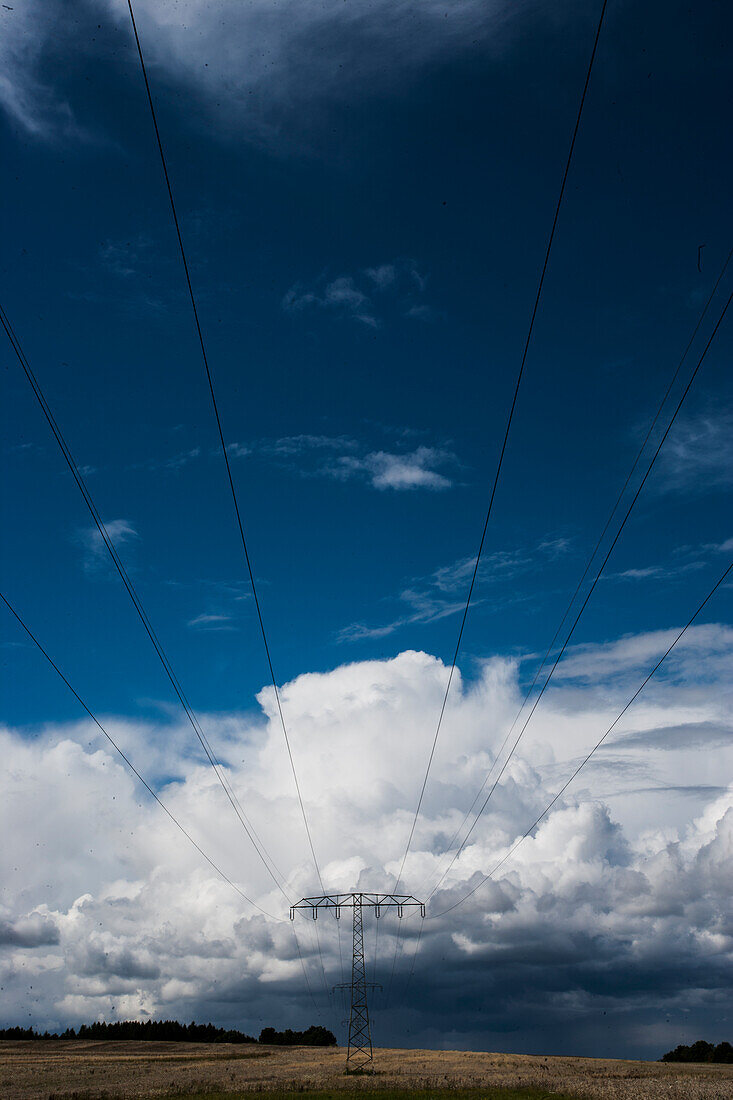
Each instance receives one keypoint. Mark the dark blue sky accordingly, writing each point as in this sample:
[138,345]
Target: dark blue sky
[450,173]
[365,200]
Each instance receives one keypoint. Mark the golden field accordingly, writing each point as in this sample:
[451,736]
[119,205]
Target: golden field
[54,1070]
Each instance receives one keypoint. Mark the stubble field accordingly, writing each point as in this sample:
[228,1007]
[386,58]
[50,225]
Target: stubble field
[123,1071]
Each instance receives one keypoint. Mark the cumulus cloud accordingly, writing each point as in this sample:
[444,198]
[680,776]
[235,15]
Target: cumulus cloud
[34,930]
[271,63]
[411,470]
[614,905]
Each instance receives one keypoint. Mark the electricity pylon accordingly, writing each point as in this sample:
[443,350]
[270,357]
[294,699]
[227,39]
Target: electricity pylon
[359,1054]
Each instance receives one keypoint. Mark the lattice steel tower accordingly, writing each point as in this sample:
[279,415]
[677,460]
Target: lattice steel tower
[359,1054]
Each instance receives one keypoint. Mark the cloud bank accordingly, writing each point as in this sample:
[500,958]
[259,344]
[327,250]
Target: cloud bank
[611,927]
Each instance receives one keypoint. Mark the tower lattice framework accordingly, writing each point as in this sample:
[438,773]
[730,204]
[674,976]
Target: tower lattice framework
[360,1054]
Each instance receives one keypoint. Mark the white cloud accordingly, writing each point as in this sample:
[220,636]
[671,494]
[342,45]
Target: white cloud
[341,295]
[625,654]
[95,554]
[618,902]
[175,462]
[26,37]
[443,593]
[210,621]
[411,470]
[383,276]
[300,444]
[269,63]
[698,453]
[343,459]
[364,296]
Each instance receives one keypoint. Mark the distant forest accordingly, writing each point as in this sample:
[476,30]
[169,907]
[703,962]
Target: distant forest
[170,1031]
[314,1037]
[700,1052]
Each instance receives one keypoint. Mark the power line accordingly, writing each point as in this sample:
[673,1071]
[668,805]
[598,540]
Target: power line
[150,791]
[584,761]
[400,949]
[130,765]
[305,972]
[578,587]
[259,847]
[220,431]
[412,964]
[592,587]
[506,433]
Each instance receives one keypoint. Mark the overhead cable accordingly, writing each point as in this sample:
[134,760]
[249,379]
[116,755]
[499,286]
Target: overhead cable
[590,591]
[219,771]
[149,789]
[584,761]
[220,431]
[525,350]
[132,767]
[582,579]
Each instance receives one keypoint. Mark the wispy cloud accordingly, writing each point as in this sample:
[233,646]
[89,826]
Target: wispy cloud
[237,450]
[703,735]
[174,462]
[443,593]
[683,561]
[27,37]
[698,455]
[365,295]
[276,64]
[95,554]
[298,444]
[341,295]
[655,572]
[124,258]
[342,458]
[595,662]
[212,622]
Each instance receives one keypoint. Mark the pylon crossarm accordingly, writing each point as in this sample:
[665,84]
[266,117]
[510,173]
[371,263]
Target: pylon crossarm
[337,902]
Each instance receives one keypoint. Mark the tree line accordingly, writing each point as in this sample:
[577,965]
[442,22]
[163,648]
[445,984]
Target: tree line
[315,1036]
[171,1031]
[700,1052]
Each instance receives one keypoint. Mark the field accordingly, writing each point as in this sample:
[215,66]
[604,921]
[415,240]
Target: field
[123,1071]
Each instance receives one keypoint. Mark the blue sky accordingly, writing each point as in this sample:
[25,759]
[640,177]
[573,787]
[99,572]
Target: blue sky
[365,200]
